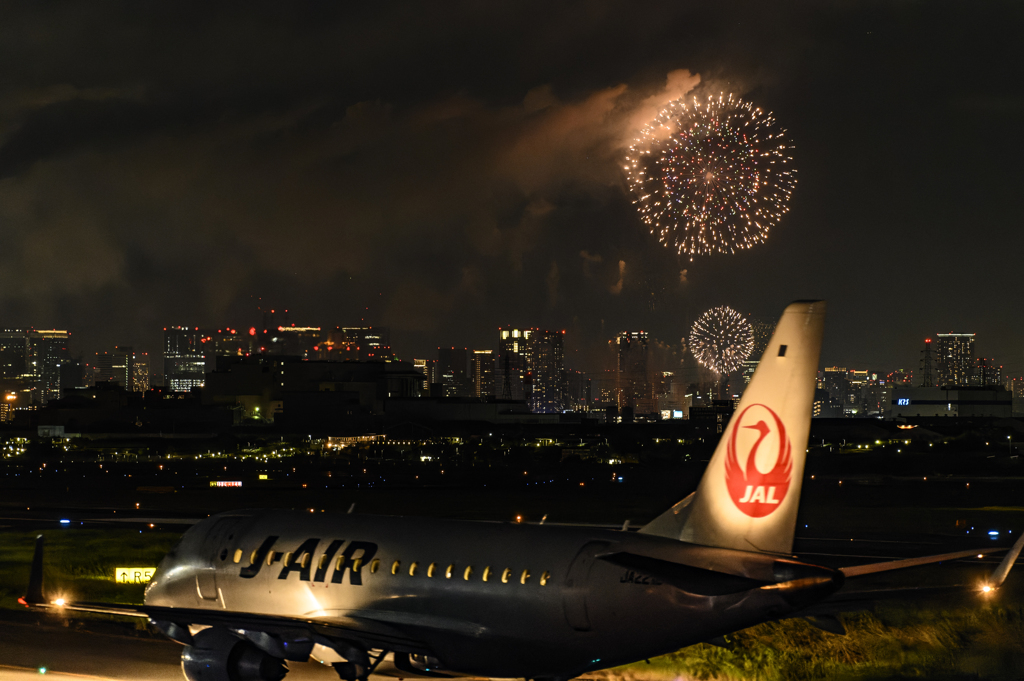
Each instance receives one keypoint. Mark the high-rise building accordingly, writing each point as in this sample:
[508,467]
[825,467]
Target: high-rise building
[140,372]
[986,372]
[762,332]
[363,343]
[452,371]
[227,343]
[512,379]
[295,341]
[954,358]
[36,358]
[8,401]
[1016,388]
[48,352]
[481,373]
[836,381]
[184,361]
[116,367]
[900,377]
[426,367]
[14,353]
[634,388]
[548,372]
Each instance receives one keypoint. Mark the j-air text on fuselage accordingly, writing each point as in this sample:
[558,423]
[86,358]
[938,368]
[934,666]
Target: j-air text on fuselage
[248,591]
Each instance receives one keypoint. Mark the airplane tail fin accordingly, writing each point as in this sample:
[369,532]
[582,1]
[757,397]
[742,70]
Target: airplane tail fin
[750,492]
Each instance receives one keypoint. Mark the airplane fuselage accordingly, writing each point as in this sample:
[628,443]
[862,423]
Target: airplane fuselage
[495,599]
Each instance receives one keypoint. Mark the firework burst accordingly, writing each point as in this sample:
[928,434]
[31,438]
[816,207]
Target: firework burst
[711,177]
[721,340]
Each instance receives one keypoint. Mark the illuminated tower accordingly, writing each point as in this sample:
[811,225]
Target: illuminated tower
[634,388]
[481,373]
[515,355]
[547,367]
[926,365]
[184,363]
[955,358]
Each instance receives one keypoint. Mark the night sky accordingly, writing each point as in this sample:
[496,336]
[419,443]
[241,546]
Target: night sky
[448,168]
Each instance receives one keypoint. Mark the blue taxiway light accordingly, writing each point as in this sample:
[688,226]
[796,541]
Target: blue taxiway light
[65,521]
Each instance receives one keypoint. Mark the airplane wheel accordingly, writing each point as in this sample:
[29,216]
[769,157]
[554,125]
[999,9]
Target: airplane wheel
[350,671]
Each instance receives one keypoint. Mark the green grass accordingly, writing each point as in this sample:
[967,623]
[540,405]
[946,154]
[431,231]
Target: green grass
[79,564]
[896,643]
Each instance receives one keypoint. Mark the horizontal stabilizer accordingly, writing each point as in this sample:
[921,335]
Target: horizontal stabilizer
[999,574]
[34,593]
[688,578]
[873,568]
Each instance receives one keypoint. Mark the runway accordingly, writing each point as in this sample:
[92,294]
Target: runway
[31,651]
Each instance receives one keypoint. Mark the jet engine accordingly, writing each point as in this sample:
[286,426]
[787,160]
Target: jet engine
[218,655]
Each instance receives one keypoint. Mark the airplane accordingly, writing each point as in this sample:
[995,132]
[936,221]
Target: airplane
[247,592]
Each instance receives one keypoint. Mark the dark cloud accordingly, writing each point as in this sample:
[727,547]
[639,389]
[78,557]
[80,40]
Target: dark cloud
[445,169]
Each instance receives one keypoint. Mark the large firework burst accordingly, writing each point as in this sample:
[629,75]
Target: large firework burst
[721,339]
[711,177]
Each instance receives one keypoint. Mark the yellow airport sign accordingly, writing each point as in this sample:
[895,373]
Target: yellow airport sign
[133,575]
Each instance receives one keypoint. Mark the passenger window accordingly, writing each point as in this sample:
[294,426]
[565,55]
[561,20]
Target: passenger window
[374,565]
[395,566]
[287,559]
[323,561]
[339,564]
[430,569]
[253,557]
[487,573]
[223,554]
[238,556]
[450,571]
[525,576]
[505,575]
[412,569]
[305,559]
[271,557]
[544,578]
[468,573]
[356,564]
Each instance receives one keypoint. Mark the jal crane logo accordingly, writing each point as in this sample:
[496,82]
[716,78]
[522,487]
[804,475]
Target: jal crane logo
[760,433]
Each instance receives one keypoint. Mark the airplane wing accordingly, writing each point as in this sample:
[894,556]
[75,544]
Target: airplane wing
[174,622]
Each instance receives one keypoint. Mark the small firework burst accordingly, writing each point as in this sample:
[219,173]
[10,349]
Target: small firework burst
[711,177]
[721,340]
